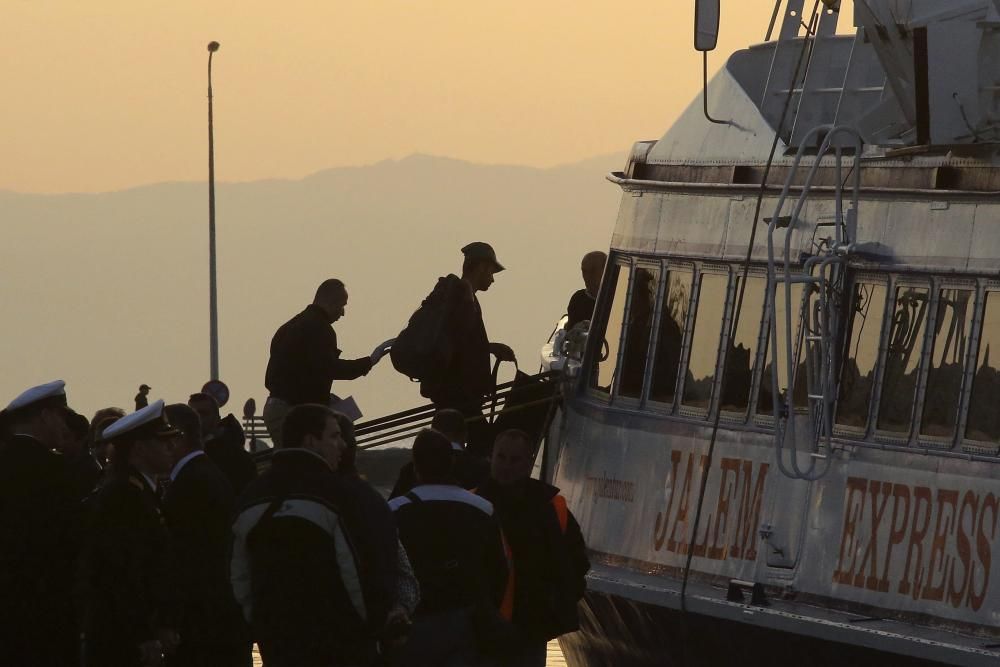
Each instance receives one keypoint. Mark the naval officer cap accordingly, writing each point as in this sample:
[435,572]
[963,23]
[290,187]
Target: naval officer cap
[149,422]
[481,250]
[50,394]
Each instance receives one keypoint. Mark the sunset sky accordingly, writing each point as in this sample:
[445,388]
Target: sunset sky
[108,94]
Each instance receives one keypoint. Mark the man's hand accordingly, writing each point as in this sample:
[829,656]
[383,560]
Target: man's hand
[502,352]
[380,350]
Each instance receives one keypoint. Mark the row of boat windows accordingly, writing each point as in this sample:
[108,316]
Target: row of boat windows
[909,350]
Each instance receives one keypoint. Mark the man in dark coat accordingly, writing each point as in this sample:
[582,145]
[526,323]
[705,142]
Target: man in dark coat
[458,555]
[305,359]
[581,304]
[468,469]
[125,589]
[223,441]
[294,569]
[198,507]
[142,398]
[550,560]
[84,469]
[467,379]
[36,552]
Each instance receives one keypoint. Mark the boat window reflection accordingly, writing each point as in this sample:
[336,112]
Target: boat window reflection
[765,401]
[944,376]
[642,303]
[673,315]
[984,417]
[700,376]
[606,355]
[902,363]
[741,356]
[858,375]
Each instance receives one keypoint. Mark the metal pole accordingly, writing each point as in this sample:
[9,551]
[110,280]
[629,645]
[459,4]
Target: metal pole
[213,299]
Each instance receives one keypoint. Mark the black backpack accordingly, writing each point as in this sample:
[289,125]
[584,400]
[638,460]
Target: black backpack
[424,348]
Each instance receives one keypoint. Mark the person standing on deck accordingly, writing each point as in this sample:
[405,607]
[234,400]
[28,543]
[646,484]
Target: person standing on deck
[467,379]
[550,559]
[36,554]
[581,304]
[305,359]
[142,398]
[198,506]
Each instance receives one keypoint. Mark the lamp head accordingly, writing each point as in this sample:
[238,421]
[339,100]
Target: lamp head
[213,47]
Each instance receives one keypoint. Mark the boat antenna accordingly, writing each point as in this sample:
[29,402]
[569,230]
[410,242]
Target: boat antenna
[810,35]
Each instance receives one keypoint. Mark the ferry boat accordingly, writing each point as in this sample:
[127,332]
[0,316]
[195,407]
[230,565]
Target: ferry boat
[781,433]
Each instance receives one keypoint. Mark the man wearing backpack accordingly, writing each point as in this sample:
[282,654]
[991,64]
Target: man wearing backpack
[547,548]
[459,374]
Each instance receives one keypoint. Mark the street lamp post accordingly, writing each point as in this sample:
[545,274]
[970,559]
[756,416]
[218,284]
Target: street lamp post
[213,303]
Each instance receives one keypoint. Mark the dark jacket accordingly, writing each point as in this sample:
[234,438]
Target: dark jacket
[580,308]
[466,378]
[36,556]
[550,562]
[85,474]
[225,448]
[305,360]
[124,584]
[294,569]
[372,528]
[199,506]
[455,546]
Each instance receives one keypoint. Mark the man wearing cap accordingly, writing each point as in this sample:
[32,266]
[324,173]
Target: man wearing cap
[223,439]
[468,378]
[36,552]
[305,359]
[142,398]
[126,595]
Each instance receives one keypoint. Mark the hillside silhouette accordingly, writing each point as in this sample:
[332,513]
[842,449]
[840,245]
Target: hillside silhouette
[109,290]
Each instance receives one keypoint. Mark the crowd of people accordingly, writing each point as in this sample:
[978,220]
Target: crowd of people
[147,539]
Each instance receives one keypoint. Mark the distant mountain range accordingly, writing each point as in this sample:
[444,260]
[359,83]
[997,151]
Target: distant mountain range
[110,290]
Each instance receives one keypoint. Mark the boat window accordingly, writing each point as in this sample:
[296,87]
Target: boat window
[765,402]
[642,303]
[741,355]
[700,375]
[902,362]
[984,416]
[858,376]
[673,316]
[944,376]
[606,354]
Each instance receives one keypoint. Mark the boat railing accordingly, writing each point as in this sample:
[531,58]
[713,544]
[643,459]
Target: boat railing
[816,323]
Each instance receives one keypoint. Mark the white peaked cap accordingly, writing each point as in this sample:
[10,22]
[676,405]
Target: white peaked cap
[53,389]
[150,420]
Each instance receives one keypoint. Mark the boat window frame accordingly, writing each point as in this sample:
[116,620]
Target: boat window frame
[753,271]
[986,286]
[762,419]
[668,265]
[945,442]
[924,281]
[701,270]
[607,290]
[849,432]
[639,402]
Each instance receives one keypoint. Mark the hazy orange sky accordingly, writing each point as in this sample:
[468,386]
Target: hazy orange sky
[107,94]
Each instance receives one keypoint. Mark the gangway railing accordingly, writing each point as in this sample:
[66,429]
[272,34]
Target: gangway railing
[406,424]
[817,323]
